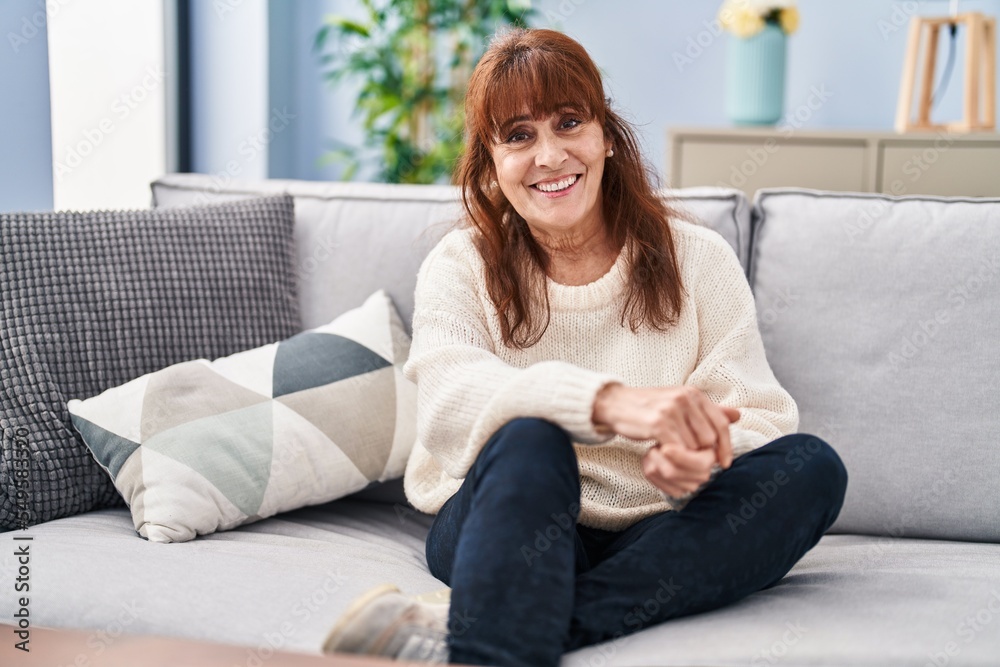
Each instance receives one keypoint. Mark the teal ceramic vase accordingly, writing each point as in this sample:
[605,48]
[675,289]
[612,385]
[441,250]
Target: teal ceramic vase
[755,77]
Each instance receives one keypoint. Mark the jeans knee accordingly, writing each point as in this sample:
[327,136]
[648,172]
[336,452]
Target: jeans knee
[534,444]
[818,462]
[534,427]
[835,472]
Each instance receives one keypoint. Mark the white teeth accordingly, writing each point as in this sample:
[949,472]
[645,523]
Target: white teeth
[556,187]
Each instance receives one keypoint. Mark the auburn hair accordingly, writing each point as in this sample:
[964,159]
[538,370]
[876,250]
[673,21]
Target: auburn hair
[542,72]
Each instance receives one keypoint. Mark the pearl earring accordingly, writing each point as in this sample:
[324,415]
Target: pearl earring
[610,153]
[493,184]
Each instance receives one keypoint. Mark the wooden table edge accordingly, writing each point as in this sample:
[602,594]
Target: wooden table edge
[60,647]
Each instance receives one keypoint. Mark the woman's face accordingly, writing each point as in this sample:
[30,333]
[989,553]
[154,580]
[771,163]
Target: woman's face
[550,171]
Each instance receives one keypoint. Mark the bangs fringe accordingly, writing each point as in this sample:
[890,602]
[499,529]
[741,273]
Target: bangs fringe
[537,82]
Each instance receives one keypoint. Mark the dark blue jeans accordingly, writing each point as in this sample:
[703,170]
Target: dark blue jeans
[529,583]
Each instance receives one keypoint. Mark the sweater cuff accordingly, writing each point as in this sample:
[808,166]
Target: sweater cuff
[744,440]
[573,403]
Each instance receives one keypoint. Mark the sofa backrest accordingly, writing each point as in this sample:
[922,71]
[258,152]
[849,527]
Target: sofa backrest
[355,238]
[881,316]
[352,238]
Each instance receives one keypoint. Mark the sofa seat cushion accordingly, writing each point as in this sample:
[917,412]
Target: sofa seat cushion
[285,580]
[881,316]
[280,582]
[852,600]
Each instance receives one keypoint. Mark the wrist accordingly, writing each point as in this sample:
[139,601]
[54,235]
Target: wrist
[602,402]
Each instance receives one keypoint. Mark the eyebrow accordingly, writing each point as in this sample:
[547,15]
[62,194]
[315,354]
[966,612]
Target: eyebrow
[562,108]
[507,125]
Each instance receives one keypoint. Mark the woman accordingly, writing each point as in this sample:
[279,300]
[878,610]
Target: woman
[585,363]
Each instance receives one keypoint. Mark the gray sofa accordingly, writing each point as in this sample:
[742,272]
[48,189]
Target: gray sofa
[880,315]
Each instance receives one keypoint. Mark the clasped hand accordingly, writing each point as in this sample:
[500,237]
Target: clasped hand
[691,432]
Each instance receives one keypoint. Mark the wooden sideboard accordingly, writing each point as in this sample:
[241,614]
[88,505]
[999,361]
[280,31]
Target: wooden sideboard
[933,163]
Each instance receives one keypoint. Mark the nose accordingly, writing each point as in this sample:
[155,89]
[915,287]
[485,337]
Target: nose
[551,152]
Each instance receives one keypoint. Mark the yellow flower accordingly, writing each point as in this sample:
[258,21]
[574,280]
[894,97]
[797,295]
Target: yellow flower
[789,19]
[746,18]
[740,21]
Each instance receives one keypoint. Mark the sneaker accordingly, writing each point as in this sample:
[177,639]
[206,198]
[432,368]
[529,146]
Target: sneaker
[384,622]
[440,596]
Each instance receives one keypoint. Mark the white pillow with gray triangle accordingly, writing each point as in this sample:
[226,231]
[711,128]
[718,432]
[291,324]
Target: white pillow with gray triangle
[204,446]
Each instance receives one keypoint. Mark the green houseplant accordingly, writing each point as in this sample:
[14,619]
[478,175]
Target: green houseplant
[413,59]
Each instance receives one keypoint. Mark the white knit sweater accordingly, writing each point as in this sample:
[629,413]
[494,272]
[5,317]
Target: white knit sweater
[469,384]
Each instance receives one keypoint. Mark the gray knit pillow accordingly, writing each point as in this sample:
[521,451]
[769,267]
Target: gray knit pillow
[89,301]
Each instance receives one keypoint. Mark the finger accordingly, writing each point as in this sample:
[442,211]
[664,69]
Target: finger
[691,464]
[671,489]
[689,460]
[721,417]
[664,476]
[700,422]
[684,482]
[676,487]
[678,430]
[725,446]
[663,479]
[651,469]
[672,427]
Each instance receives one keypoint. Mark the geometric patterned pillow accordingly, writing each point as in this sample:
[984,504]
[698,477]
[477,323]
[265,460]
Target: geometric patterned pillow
[204,446]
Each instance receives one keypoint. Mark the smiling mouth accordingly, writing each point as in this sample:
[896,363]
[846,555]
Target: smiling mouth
[558,186]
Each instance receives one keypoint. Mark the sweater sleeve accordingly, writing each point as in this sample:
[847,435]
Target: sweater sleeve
[465,392]
[732,367]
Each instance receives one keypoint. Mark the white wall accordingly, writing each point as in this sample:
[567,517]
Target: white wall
[107,80]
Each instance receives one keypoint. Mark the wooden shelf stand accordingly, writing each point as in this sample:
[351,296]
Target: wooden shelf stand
[979,103]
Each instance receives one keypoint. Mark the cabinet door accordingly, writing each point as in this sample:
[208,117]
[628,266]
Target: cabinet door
[751,164]
[939,167]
